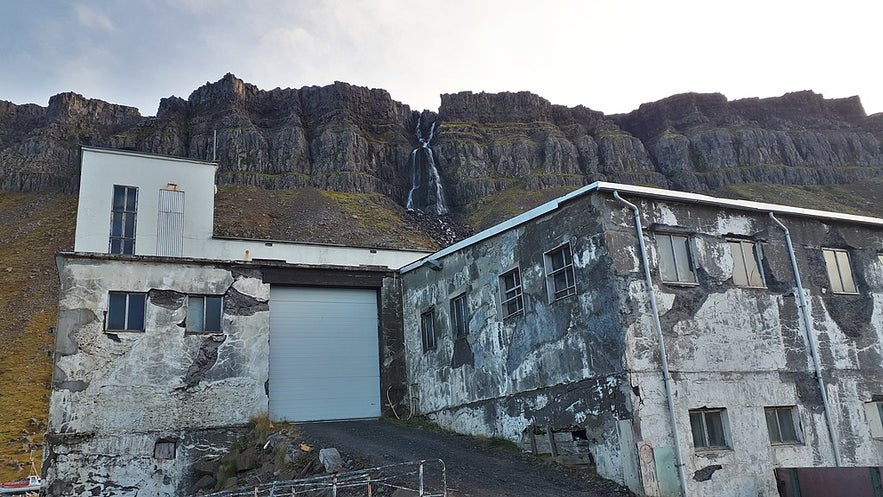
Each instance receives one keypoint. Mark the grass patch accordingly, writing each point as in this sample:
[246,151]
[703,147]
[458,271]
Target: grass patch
[33,228]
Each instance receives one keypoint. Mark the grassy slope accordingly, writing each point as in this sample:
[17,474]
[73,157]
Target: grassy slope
[33,228]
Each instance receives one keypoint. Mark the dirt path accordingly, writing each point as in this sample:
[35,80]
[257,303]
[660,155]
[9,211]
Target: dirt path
[474,467]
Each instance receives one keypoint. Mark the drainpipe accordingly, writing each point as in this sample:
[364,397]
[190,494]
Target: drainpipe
[666,376]
[810,337]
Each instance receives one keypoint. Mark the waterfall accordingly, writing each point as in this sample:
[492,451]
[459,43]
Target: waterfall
[427,193]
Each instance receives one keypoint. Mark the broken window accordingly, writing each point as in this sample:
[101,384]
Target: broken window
[427,329]
[746,264]
[510,293]
[204,313]
[122,220]
[782,424]
[675,261]
[708,426]
[125,311]
[560,280]
[459,316]
[839,271]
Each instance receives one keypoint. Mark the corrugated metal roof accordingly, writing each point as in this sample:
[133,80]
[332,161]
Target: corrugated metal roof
[645,192]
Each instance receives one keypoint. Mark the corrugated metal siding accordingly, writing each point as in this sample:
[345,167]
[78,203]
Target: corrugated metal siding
[324,354]
[170,225]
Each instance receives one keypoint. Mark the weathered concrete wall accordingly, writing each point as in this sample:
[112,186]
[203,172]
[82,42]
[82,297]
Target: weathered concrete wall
[744,349]
[115,395]
[558,365]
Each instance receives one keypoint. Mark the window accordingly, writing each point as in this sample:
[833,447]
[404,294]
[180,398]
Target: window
[559,273]
[459,317]
[675,263]
[164,449]
[122,220]
[839,271]
[510,293]
[746,264]
[204,313]
[427,329]
[781,424]
[125,311]
[708,428]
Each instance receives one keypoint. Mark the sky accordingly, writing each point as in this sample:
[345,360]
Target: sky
[608,55]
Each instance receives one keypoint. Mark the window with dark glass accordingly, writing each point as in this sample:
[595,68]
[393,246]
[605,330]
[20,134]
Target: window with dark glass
[459,316]
[122,220]
[204,313]
[780,423]
[560,280]
[125,311]
[708,428]
[839,271]
[427,329]
[510,293]
[675,263]
[746,264]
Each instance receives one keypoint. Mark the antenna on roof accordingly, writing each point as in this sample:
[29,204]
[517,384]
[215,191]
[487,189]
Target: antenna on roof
[215,147]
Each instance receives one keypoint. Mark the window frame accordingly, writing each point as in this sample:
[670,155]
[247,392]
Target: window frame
[511,295]
[670,249]
[109,317]
[189,328]
[756,257]
[839,287]
[707,444]
[126,244]
[554,293]
[459,306]
[427,330]
[790,413]
[874,415]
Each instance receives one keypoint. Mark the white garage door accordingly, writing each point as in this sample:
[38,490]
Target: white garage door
[324,358]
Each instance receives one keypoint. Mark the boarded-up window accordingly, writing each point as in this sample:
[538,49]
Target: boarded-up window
[164,449]
[746,264]
[839,271]
[675,263]
[170,224]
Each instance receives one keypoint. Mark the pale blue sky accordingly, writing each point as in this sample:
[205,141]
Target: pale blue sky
[609,55]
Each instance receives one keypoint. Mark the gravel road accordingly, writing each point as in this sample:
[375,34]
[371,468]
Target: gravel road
[474,466]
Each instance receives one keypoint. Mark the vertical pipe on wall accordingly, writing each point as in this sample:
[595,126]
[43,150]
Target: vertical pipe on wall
[810,337]
[666,376]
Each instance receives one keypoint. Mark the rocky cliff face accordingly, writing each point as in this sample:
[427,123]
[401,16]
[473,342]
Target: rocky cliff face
[353,139]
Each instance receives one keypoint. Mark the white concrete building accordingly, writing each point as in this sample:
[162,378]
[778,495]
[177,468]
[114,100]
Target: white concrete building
[170,340]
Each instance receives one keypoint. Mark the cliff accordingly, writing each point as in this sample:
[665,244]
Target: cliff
[347,138]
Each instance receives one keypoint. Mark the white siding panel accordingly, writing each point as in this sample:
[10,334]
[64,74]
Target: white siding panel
[324,354]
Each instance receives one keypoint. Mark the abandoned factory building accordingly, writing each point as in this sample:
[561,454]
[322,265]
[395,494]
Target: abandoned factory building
[690,345]
[670,331]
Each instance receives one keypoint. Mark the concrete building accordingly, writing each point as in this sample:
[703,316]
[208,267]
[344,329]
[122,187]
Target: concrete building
[169,340]
[686,344]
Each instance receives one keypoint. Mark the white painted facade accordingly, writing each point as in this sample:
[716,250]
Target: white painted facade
[104,168]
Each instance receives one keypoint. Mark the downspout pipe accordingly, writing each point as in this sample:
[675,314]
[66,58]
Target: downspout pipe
[666,375]
[811,339]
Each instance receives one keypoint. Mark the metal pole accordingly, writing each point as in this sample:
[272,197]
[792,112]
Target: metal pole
[666,375]
[420,482]
[810,337]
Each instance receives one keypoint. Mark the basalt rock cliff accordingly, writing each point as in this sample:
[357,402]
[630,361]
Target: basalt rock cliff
[353,139]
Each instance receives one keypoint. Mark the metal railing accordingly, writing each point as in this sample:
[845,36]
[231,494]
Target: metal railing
[424,478]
